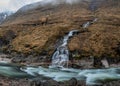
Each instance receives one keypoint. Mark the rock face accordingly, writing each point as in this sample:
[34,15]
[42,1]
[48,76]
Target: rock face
[4,15]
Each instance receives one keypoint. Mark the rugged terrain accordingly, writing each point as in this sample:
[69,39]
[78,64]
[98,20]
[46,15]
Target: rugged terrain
[103,37]
[3,15]
[32,35]
[36,29]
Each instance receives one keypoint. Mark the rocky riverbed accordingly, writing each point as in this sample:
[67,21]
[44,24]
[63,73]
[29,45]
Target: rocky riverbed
[30,38]
[38,82]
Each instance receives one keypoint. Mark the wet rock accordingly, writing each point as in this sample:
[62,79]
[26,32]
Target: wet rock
[89,62]
[97,63]
[81,83]
[4,81]
[5,58]
[18,58]
[83,63]
[105,63]
[76,66]
[35,83]
[114,62]
[72,82]
[50,83]
[32,60]
[113,83]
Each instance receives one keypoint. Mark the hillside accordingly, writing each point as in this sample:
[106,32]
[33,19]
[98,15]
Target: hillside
[44,25]
[4,15]
[38,29]
[103,40]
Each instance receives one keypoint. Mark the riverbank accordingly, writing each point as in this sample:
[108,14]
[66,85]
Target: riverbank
[9,82]
[30,39]
[37,82]
[82,63]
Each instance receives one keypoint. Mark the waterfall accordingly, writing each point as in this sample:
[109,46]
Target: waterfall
[86,25]
[61,56]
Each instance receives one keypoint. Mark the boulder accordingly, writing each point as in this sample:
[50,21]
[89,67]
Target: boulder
[50,83]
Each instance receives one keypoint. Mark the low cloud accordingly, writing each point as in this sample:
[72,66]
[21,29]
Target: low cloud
[14,5]
[54,2]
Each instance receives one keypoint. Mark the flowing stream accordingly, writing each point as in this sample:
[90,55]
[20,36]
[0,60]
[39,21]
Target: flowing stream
[91,76]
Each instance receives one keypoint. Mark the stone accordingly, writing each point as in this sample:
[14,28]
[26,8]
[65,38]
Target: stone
[105,63]
[81,83]
[51,83]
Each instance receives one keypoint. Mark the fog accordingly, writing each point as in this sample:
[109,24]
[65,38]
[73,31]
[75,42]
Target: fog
[54,2]
[14,5]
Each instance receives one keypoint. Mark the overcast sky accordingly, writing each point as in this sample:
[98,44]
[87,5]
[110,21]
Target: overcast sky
[14,5]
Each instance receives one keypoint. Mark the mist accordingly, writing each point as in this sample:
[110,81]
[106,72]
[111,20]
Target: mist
[50,2]
[14,5]
[55,2]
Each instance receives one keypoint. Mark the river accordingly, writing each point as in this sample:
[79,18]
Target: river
[91,76]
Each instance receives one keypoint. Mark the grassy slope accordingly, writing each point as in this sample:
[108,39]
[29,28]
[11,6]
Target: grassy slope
[103,40]
[32,38]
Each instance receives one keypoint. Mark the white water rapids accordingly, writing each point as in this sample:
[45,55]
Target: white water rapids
[91,76]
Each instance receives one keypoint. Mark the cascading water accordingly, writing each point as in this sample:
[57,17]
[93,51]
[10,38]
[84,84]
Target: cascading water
[60,59]
[61,56]
[85,25]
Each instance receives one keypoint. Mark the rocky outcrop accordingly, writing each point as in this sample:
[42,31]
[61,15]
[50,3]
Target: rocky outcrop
[4,15]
